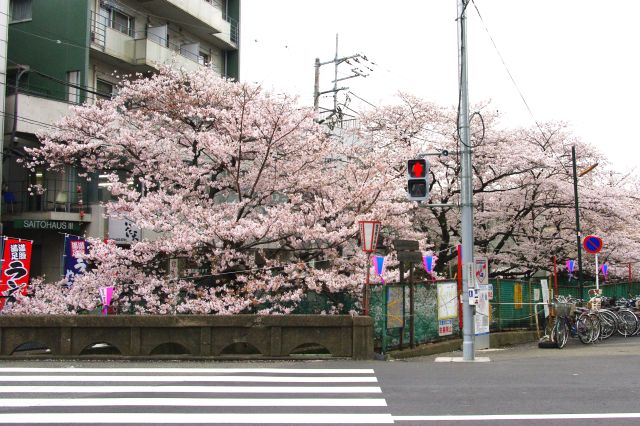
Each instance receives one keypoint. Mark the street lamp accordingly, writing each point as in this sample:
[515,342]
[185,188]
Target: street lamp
[576,175]
[369,230]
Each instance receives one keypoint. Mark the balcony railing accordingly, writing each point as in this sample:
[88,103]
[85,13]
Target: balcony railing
[235,28]
[100,37]
[58,196]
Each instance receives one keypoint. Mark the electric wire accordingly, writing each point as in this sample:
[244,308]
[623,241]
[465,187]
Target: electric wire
[526,104]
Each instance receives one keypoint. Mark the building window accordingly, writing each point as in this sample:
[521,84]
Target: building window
[118,20]
[73,92]
[104,89]
[204,59]
[20,10]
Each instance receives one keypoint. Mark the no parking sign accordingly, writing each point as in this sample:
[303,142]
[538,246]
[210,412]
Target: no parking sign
[592,244]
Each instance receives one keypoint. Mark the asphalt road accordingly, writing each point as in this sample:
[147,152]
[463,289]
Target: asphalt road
[543,384]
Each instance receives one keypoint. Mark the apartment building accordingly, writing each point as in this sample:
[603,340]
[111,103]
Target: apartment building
[67,52]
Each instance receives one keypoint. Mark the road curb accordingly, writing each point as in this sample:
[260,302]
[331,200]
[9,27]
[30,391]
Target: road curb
[497,340]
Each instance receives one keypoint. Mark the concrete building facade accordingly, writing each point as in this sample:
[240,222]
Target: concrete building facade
[67,52]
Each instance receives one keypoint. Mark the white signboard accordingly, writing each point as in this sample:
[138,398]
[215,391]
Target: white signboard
[481,267]
[445,327]
[545,297]
[123,231]
[536,294]
[482,311]
[447,300]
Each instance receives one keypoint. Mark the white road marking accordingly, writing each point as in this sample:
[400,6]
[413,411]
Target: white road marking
[195,402]
[187,370]
[192,389]
[133,378]
[461,359]
[194,418]
[485,417]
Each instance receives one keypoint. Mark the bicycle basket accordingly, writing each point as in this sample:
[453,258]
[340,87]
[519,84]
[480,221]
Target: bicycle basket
[564,309]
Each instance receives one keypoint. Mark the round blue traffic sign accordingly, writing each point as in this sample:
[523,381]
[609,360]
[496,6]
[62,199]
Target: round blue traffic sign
[592,244]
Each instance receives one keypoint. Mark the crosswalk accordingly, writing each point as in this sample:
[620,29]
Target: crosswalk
[70,395]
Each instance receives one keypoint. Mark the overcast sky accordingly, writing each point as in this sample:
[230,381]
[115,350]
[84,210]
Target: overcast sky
[572,60]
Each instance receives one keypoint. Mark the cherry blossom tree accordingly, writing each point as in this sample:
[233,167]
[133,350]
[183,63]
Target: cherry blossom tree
[523,187]
[244,183]
[228,176]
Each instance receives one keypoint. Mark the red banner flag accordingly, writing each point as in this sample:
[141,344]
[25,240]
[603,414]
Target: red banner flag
[16,265]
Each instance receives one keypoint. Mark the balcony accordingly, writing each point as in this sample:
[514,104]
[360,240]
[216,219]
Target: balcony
[34,112]
[144,49]
[204,18]
[63,200]
[151,53]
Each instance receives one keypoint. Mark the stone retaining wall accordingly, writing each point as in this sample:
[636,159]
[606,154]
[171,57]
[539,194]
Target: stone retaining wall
[197,335]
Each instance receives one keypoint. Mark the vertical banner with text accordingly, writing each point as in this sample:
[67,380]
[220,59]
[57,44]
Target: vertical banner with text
[74,263]
[16,265]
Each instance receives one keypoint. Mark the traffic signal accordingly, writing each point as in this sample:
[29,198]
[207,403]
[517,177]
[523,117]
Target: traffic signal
[417,179]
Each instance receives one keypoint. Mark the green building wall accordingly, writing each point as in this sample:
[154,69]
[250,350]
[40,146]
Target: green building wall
[233,57]
[53,42]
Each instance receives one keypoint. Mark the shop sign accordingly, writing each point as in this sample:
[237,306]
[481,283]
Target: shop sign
[53,225]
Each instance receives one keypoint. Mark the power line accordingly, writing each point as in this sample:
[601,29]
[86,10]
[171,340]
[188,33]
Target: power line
[29,120]
[87,89]
[57,41]
[526,104]
[363,100]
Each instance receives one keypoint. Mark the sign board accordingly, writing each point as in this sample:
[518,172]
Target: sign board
[473,296]
[545,296]
[123,231]
[395,307]
[482,311]
[481,269]
[406,245]
[592,244]
[447,300]
[536,294]
[445,327]
[53,225]
[175,265]
[517,296]
[410,256]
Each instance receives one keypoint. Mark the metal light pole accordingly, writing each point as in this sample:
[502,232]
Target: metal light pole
[578,233]
[576,175]
[466,190]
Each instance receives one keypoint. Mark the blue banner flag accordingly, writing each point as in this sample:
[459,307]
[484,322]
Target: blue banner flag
[74,248]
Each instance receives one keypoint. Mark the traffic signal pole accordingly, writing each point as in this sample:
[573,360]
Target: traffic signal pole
[466,181]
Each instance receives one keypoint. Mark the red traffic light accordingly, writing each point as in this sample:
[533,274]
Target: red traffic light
[417,179]
[417,168]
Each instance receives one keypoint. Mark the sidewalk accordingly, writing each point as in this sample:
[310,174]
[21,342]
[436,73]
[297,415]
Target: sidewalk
[498,339]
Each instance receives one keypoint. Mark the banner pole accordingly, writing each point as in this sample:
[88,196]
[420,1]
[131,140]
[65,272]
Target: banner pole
[597,274]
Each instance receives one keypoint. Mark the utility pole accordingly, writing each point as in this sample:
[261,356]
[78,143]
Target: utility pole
[466,179]
[4,36]
[357,72]
[577,211]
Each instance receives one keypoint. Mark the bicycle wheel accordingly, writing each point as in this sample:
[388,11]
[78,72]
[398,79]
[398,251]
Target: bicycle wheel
[608,323]
[627,323]
[548,328]
[585,328]
[561,332]
[595,322]
[637,314]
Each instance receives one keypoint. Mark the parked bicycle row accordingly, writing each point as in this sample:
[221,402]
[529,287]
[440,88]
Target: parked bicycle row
[591,321]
